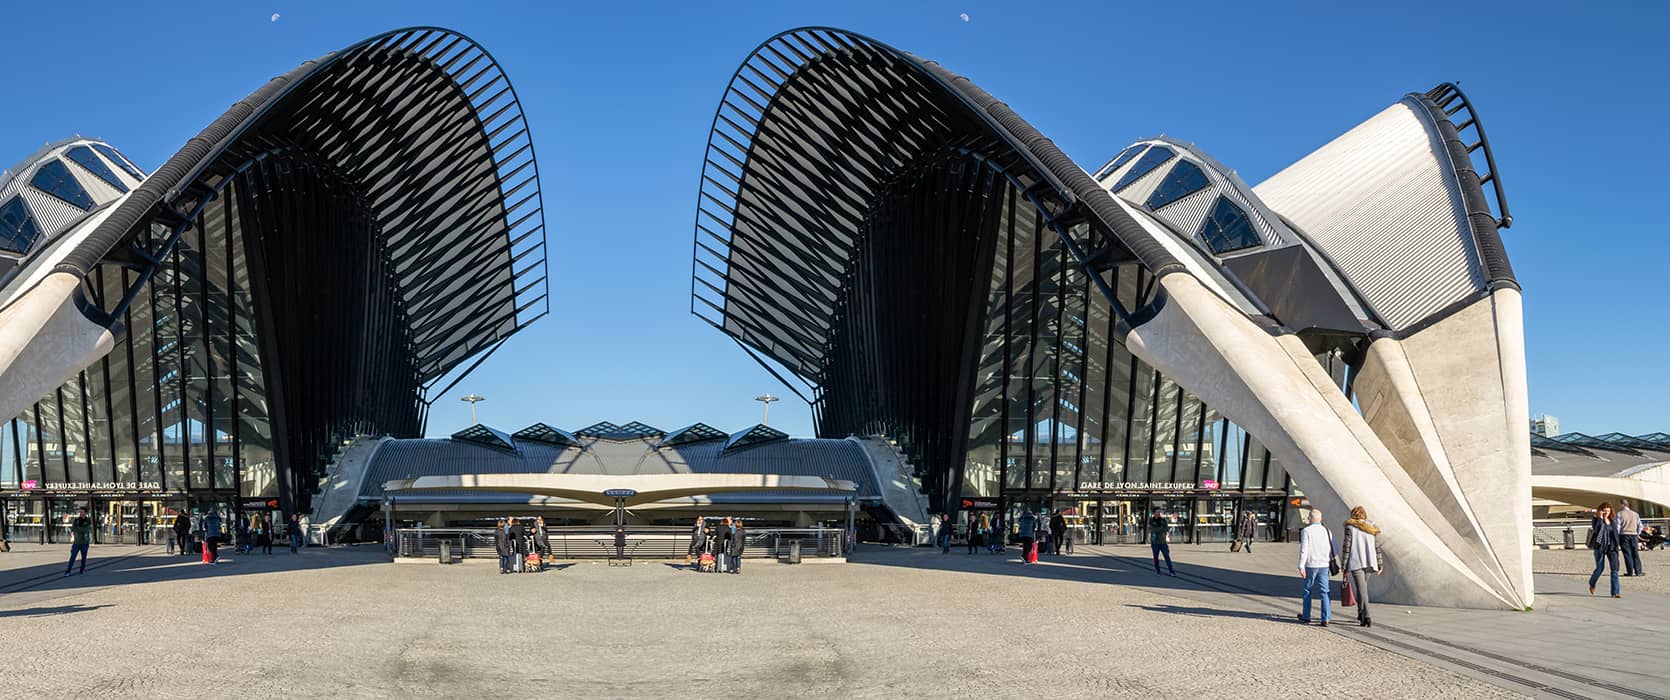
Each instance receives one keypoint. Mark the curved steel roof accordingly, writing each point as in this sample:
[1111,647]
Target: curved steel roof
[426,123]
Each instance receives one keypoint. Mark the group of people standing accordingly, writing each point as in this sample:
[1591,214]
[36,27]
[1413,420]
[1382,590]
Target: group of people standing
[1612,534]
[718,541]
[521,549]
[208,530]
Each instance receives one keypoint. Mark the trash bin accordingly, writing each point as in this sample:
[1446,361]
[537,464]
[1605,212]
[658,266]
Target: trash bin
[794,552]
[1571,538]
[446,551]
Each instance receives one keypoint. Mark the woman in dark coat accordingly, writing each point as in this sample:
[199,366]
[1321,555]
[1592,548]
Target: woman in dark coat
[501,543]
[1604,540]
[733,546]
[1247,530]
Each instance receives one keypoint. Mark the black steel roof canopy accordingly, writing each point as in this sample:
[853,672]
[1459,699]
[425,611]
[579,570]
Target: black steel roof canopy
[813,127]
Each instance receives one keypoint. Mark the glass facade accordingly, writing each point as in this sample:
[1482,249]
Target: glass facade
[1065,417]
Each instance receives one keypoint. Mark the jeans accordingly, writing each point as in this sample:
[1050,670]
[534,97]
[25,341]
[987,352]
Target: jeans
[944,542]
[295,542]
[78,548]
[1359,585]
[504,562]
[1160,546]
[1316,585]
[1632,554]
[1603,558]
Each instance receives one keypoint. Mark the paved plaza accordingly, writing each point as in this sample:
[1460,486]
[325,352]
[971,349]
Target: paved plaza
[895,622]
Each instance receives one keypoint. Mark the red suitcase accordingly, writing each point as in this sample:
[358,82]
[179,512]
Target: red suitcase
[1032,552]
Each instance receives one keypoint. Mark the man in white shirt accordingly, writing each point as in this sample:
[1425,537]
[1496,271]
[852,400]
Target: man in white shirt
[1316,549]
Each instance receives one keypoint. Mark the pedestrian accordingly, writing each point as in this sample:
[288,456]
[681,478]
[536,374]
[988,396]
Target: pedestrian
[518,545]
[1000,532]
[1652,537]
[1360,553]
[1247,530]
[295,533]
[242,541]
[1316,563]
[81,536]
[695,552]
[1159,541]
[986,534]
[264,533]
[1629,538]
[197,529]
[541,540]
[182,532]
[501,544]
[736,544]
[1057,527]
[1046,537]
[1604,541]
[974,540]
[1027,535]
[945,528]
[211,537]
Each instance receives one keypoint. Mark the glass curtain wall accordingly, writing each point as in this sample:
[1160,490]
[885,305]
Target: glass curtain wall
[1061,406]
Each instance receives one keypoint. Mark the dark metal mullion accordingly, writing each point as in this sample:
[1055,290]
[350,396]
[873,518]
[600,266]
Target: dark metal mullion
[1107,390]
[1061,286]
[1008,331]
[1032,345]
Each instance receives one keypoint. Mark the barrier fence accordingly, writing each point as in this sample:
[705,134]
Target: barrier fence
[1551,534]
[646,542]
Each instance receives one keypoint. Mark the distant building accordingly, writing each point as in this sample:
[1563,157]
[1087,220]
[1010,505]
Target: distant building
[1546,426]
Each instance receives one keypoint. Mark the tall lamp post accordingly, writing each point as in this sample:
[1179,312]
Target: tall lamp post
[473,399]
[767,399]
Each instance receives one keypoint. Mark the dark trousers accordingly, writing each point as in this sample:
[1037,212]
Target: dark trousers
[1160,547]
[1632,554]
[1603,558]
[295,542]
[74,550]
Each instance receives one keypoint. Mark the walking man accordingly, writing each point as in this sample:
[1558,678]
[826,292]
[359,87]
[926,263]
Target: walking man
[1159,540]
[1629,538]
[1247,530]
[295,532]
[211,537]
[1058,529]
[81,531]
[1316,553]
[182,532]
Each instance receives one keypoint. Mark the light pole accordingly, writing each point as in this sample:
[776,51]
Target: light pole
[767,399]
[473,399]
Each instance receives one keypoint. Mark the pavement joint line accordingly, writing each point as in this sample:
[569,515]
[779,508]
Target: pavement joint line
[1225,586]
[97,564]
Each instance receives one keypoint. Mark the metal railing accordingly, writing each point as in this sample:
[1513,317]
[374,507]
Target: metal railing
[1551,533]
[655,542]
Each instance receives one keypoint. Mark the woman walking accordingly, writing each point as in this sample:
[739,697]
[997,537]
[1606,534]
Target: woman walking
[974,540]
[1360,550]
[1604,540]
[1247,530]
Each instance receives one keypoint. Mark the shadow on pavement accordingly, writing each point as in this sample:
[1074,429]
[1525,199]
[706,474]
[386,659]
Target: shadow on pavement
[148,565]
[1211,612]
[1088,567]
[57,610]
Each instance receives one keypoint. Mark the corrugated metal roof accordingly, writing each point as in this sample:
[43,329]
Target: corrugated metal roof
[405,459]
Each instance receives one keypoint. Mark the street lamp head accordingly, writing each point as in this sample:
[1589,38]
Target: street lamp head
[472,398]
[767,398]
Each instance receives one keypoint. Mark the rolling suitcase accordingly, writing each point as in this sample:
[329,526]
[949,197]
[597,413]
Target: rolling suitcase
[1032,552]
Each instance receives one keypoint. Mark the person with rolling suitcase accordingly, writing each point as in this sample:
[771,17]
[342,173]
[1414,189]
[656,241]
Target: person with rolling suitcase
[1028,537]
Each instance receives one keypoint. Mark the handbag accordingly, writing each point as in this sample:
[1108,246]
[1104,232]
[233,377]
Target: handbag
[1349,597]
[1333,561]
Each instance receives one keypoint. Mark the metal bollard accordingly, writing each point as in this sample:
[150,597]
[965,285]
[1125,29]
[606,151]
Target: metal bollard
[1571,538]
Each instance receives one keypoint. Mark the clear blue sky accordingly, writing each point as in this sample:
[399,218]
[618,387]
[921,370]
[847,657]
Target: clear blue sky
[620,96]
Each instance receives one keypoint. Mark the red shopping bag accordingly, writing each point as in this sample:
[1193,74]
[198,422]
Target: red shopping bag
[1348,598]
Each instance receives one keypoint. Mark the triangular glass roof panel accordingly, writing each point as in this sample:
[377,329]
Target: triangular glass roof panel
[483,435]
[598,429]
[636,429]
[758,434]
[540,432]
[1656,438]
[699,432]
[1582,440]
[1548,443]
[1631,441]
